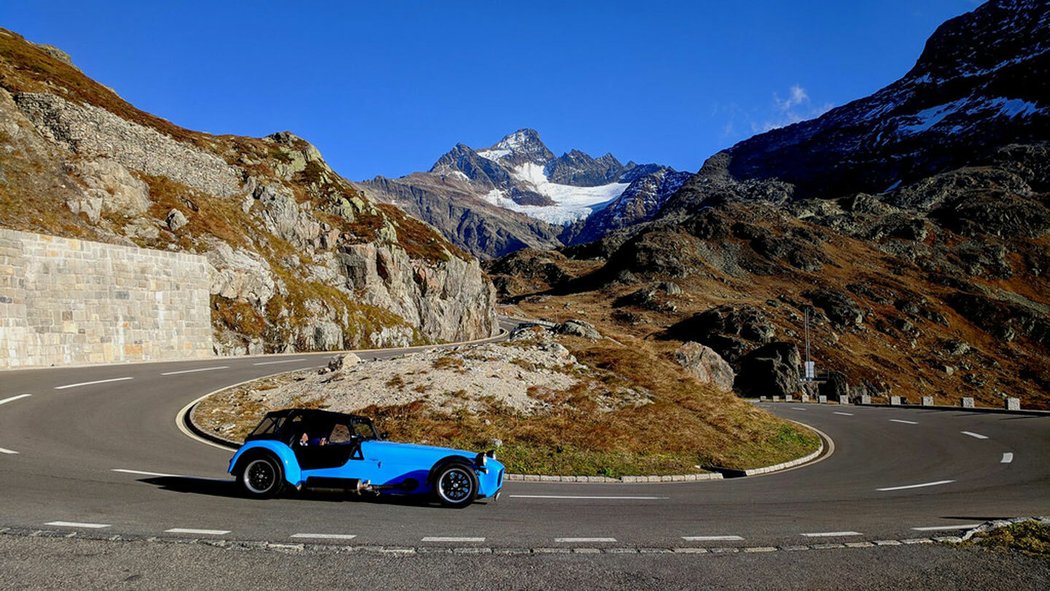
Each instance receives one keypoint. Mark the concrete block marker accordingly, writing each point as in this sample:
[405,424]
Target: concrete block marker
[1013,404]
[966,402]
[761,398]
[788,398]
[805,398]
[927,400]
[776,399]
[822,399]
[843,399]
[865,399]
[895,400]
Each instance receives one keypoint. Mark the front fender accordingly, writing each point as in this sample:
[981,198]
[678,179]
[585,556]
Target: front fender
[293,475]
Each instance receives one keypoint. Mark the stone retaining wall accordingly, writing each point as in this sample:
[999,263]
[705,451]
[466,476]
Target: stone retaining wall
[66,301]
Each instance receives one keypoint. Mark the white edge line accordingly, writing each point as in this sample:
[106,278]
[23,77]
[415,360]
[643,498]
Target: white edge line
[902,421]
[325,536]
[13,398]
[947,527]
[832,534]
[713,538]
[77,524]
[451,539]
[588,498]
[165,475]
[175,373]
[907,486]
[582,540]
[202,532]
[9,452]
[92,383]
[1008,457]
[280,362]
[974,435]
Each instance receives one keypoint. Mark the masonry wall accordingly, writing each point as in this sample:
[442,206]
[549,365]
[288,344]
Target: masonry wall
[66,301]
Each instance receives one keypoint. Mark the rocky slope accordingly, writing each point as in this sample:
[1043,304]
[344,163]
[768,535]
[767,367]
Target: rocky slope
[914,225]
[516,194]
[301,260]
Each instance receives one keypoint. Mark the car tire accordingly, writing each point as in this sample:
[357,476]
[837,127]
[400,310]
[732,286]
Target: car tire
[261,476]
[455,484]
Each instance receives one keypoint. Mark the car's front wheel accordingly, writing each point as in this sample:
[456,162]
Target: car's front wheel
[261,477]
[456,485]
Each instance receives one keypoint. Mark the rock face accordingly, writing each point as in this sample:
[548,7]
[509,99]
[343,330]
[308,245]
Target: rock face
[516,194]
[705,365]
[771,370]
[300,260]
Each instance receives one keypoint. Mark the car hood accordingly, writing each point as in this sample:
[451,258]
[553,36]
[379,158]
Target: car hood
[415,448]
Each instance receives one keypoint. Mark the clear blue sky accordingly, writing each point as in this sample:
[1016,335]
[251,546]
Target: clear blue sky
[387,86]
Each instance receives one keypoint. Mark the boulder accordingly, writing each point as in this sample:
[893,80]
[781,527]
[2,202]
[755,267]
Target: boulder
[346,360]
[705,365]
[772,369]
[578,328]
[175,220]
[730,330]
[842,311]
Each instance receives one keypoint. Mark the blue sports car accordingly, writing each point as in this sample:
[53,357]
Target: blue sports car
[317,449]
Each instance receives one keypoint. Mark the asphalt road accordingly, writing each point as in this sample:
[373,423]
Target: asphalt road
[108,458]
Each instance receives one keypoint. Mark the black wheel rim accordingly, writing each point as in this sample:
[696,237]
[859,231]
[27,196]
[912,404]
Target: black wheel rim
[259,476]
[455,485]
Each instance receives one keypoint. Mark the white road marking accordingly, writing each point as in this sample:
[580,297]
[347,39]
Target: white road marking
[77,524]
[974,435]
[583,540]
[13,398]
[713,538]
[166,475]
[588,498]
[325,536]
[9,452]
[903,421]
[845,414]
[797,408]
[279,362]
[197,532]
[92,383]
[1007,458]
[947,527]
[832,534]
[175,373]
[923,485]
[451,539]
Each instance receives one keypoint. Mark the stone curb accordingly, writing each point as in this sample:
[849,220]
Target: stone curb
[610,480]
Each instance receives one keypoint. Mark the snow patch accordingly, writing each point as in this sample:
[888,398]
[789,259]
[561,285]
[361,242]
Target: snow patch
[570,203]
[493,154]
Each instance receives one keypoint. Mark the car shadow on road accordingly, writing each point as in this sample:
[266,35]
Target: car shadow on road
[217,487]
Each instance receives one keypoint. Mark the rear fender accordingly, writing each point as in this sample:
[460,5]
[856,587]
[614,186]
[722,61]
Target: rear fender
[292,474]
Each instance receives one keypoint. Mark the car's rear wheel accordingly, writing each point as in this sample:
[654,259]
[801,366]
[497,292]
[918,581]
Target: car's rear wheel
[456,485]
[261,477]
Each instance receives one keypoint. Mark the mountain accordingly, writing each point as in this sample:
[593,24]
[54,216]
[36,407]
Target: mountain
[516,194]
[301,260]
[911,226]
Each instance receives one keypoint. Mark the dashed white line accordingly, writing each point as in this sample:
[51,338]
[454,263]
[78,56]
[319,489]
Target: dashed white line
[9,452]
[947,527]
[451,539]
[713,538]
[584,540]
[197,532]
[77,524]
[588,498]
[797,408]
[325,536]
[974,435]
[832,534]
[92,383]
[279,362]
[1008,457]
[175,373]
[845,414]
[13,398]
[903,421]
[907,486]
